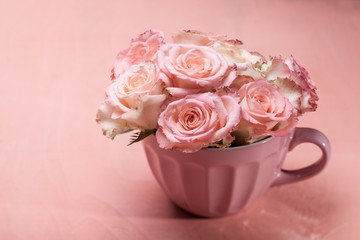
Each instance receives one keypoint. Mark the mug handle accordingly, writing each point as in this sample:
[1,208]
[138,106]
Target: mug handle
[305,135]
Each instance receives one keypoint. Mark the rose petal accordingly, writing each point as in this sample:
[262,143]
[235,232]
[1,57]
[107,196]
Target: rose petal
[146,114]
[110,127]
[179,92]
[291,91]
[191,37]
[283,128]
[201,39]
[275,68]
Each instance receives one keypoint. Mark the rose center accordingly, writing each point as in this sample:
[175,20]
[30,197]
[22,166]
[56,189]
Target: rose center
[194,61]
[190,118]
[260,101]
[196,64]
[135,82]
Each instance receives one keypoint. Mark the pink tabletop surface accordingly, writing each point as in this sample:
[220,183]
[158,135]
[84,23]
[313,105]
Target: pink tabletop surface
[61,179]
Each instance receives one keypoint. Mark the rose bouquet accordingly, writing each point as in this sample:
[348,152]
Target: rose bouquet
[203,90]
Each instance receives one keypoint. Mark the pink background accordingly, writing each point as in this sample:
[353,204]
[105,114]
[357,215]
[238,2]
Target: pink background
[61,179]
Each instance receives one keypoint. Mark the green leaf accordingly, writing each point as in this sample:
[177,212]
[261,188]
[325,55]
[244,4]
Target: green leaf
[138,136]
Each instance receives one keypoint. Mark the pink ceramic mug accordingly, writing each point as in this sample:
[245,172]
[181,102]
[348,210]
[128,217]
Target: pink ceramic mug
[218,182]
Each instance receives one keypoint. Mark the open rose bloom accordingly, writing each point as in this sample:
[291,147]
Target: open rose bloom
[203,90]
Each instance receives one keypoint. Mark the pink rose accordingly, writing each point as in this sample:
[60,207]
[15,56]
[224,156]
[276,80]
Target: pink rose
[265,111]
[198,121]
[294,81]
[133,101]
[191,69]
[142,48]
[247,63]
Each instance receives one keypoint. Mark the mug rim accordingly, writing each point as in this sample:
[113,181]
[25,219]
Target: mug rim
[265,140]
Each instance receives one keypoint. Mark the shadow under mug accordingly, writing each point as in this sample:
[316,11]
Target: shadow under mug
[218,182]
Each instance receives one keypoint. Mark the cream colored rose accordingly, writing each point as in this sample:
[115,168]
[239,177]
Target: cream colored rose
[133,100]
[294,82]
